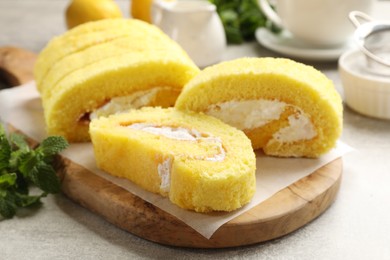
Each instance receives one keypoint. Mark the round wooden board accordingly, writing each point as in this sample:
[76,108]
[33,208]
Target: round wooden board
[286,211]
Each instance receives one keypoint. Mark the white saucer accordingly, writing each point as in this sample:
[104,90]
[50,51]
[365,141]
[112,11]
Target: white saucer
[285,44]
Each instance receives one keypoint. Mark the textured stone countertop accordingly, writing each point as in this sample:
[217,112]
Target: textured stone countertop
[356,226]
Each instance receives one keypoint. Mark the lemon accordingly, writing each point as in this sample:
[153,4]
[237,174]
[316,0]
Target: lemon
[82,11]
[140,9]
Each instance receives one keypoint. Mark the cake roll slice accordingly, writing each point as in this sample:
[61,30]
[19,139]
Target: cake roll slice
[145,68]
[199,162]
[286,108]
[80,38]
[106,52]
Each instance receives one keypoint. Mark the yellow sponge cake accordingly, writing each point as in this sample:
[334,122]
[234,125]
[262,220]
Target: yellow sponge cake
[196,160]
[286,108]
[140,67]
[71,42]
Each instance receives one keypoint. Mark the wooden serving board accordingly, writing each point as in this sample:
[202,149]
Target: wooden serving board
[286,211]
[16,65]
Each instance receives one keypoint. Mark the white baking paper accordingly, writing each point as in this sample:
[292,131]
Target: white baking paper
[21,107]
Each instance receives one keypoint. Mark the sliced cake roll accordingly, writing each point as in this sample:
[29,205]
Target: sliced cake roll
[197,161]
[286,108]
[105,52]
[71,42]
[142,68]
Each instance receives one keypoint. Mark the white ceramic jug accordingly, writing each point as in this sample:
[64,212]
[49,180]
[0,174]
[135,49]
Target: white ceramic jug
[195,25]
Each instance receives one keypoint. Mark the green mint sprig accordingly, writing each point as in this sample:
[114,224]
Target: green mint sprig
[241,18]
[21,166]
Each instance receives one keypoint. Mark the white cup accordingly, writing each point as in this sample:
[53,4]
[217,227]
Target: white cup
[322,23]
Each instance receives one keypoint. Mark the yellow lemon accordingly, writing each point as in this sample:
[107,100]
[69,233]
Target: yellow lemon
[140,9]
[82,11]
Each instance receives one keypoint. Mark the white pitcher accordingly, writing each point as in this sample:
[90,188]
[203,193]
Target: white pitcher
[195,25]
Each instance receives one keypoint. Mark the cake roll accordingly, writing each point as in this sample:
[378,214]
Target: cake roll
[142,67]
[71,42]
[197,161]
[286,108]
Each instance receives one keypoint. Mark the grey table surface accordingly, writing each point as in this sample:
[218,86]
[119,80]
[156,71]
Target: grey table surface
[356,226]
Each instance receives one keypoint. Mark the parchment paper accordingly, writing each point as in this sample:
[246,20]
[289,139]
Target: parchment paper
[21,107]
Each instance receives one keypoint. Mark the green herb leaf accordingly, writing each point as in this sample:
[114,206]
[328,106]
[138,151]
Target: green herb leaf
[5,149]
[20,166]
[23,200]
[44,177]
[19,141]
[241,18]
[16,158]
[7,209]
[52,145]
[7,180]
[27,162]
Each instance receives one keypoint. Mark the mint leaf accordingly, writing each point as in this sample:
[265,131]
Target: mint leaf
[17,156]
[11,200]
[44,177]
[7,210]
[241,18]
[20,166]
[7,180]
[21,185]
[19,141]
[27,162]
[52,145]
[5,149]
[23,200]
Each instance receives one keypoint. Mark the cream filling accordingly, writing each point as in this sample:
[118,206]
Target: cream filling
[121,104]
[180,134]
[300,128]
[247,114]
[164,171]
[251,114]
